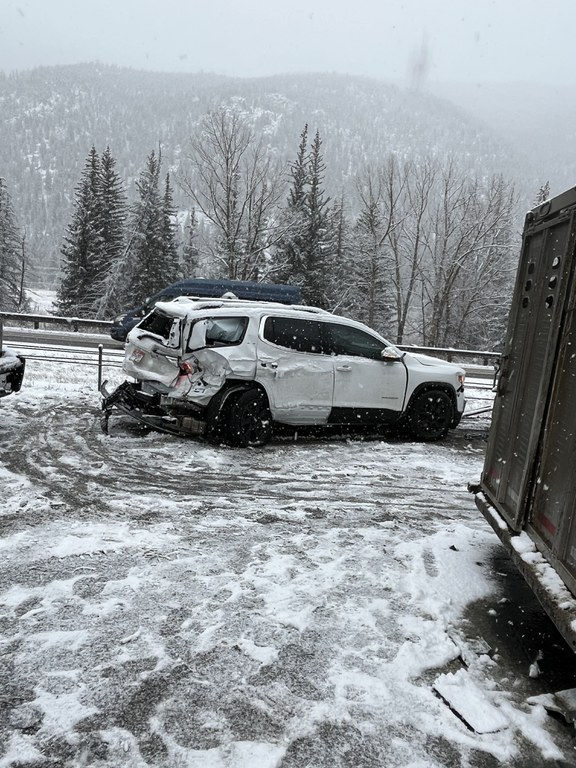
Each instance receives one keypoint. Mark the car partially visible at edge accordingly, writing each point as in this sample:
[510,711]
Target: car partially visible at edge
[12,367]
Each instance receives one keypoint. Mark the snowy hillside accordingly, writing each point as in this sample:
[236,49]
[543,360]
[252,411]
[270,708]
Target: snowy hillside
[51,117]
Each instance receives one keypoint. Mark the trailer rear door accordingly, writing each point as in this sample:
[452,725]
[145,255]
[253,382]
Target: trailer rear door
[532,345]
[553,510]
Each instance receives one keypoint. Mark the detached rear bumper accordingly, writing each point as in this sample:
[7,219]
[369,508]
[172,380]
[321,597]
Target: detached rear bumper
[130,400]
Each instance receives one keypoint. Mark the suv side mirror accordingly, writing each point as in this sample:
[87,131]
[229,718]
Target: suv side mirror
[391,354]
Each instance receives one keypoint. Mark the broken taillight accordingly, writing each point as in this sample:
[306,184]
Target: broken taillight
[186,369]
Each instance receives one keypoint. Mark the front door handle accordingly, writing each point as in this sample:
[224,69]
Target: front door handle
[343,367]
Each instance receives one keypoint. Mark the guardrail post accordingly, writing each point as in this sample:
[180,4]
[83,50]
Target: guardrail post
[100,350]
[1,334]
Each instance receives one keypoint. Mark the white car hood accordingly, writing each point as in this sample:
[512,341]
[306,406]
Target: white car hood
[436,362]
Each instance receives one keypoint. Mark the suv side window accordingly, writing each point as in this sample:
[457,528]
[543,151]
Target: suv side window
[225,330]
[295,333]
[347,340]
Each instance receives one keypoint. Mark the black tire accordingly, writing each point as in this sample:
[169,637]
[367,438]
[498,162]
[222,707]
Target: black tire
[249,420]
[430,415]
[218,416]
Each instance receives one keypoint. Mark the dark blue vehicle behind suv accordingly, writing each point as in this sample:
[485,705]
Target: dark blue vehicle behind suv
[205,288]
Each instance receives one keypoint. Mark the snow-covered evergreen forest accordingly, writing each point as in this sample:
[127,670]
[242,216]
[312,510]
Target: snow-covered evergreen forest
[395,207]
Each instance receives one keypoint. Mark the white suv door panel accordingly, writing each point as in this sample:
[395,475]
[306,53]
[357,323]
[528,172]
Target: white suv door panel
[362,379]
[363,383]
[299,383]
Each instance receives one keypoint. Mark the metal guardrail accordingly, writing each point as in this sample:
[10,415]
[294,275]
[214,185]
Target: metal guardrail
[452,355]
[69,323]
[90,357]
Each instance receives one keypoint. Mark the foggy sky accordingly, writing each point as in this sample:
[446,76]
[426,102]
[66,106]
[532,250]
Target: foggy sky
[407,41]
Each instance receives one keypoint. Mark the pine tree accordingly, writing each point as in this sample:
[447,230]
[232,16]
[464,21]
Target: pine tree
[114,212]
[11,256]
[303,251]
[84,246]
[543,194]
[153,258]
[340,260]
[289,253]
[299,172]
[371,269]
[169,239]
[316,277]
[190,266]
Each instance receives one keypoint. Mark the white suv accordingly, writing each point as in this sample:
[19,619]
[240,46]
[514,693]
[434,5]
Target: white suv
[230,370]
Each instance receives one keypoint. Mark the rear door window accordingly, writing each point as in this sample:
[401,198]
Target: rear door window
[295,333]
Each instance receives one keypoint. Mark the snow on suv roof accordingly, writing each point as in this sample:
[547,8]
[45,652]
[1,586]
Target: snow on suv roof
[184,305]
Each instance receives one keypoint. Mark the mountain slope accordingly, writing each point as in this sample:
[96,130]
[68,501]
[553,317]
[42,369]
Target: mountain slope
[50,118]
[539,120]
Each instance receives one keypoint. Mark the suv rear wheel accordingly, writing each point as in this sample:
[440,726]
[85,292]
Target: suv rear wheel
[249,420]
[430,415]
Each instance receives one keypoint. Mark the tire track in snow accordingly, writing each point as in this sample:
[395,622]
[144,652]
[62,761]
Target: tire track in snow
[66,455]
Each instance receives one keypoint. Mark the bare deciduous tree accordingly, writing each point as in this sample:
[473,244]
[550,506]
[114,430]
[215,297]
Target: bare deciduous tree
[235,184]
[407,240]
[379,192]
[469,256]
[434,247]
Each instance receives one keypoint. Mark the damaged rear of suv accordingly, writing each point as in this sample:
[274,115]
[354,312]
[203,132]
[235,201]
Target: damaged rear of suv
[231,370]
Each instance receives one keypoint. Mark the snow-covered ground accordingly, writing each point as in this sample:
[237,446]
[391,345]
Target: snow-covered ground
[315,603]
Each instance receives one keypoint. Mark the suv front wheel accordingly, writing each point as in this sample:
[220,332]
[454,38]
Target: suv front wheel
[249,420]
[430,415]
